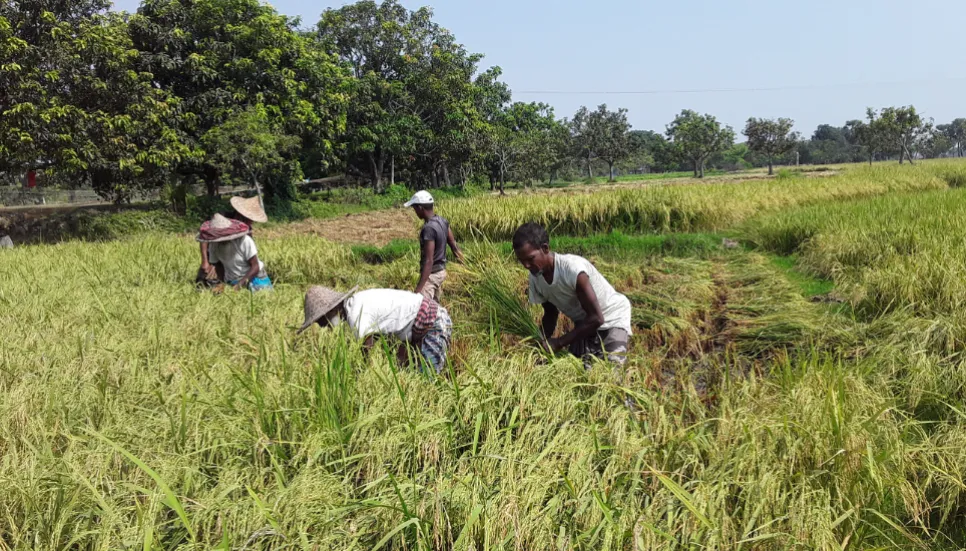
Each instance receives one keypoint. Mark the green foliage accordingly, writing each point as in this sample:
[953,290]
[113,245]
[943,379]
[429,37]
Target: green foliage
[832,144]
[73,102]
[935,143]
[248,148]
[601,134]
[526,142]
[735,157]
[955,132]
[222,58]
[417,102]
[893,131]
[900,129]
[771,138]
[697,137]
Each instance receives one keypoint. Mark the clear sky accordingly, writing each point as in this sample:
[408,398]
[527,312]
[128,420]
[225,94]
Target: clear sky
[829,59]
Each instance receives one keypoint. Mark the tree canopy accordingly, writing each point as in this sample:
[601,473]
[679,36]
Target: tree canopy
[231,91]
[219,57]
[697,137]
[771,138]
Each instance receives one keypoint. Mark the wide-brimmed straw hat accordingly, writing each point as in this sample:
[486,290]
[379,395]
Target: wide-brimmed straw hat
[250,208]
[220,229]
[319,301]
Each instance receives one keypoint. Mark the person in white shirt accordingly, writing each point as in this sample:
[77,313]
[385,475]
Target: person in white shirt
[571,285]
[415,320]
[232,254]
[212,271]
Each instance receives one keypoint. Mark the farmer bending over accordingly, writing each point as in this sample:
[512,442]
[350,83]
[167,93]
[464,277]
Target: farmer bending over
[246,211]
[415,320]
[572,285]
[433,239]
[232,255]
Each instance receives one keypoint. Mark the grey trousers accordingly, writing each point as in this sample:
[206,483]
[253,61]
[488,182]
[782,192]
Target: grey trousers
[609,345]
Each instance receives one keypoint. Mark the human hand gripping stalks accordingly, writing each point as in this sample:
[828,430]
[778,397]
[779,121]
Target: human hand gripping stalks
[494,290]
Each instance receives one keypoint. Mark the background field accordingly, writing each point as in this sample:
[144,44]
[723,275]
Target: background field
[804,390]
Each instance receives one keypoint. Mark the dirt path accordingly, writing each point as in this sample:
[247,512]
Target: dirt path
[369,228]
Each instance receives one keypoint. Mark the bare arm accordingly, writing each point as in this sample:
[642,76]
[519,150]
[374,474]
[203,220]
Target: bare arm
[451,240]
[429,250]
[550,317]
[591,323]
[206,266]
[252,272]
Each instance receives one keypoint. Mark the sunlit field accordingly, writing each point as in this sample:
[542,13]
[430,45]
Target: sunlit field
[803,390]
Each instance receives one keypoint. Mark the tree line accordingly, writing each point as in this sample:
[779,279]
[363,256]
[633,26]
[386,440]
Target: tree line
[216,92]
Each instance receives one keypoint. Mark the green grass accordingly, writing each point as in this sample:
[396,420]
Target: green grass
[809,286]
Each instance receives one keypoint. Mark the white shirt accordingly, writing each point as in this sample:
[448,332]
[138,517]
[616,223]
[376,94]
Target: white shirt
[384,312]
[562,292]
[234,256]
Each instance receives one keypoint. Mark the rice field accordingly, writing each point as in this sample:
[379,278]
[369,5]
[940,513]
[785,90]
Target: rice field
[902,251]
[686,208]
[754,414]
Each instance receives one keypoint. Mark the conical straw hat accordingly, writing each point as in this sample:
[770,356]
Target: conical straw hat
[319,301]
[220,229]
[250,208]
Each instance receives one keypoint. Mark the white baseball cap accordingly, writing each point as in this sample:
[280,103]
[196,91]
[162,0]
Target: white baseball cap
[421,197]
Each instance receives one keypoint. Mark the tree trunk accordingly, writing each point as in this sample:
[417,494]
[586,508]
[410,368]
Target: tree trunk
[902,154]
[502,180]
[771,169]
[376,162]
[611,165]
[446,179]
[701,169]
[909,155]
[211,180]
[871,155]
[695,161]
[552,174]
[392,170]
[590,168]
[258,189]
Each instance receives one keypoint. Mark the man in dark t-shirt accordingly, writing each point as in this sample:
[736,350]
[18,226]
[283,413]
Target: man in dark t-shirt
[433,239]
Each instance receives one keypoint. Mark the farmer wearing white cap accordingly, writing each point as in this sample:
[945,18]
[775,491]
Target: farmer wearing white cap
[433,239]
[232,255]
[246,211]
[415,320]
